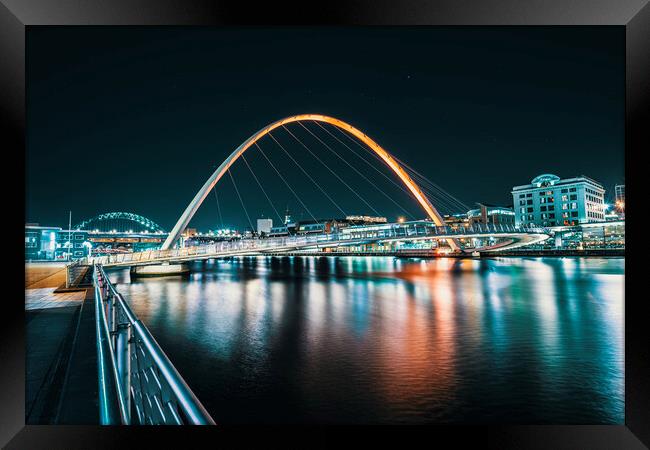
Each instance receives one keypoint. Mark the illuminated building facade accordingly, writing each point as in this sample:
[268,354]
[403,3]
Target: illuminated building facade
[550,201]
[54,243]
[264,226]
[619,190]
[491,214]
[40,242]
[456,221]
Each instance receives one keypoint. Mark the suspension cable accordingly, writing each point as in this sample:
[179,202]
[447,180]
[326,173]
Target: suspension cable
[440,194]
[431,183]
[340,179]
[409,169]
[308,176]
[287,184]
[240,200]
[218,207]
[379,171]
[262,188]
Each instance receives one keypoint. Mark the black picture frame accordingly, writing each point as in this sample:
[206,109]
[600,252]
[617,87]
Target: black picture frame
[17,15]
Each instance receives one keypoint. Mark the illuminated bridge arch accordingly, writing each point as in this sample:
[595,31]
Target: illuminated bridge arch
[120,222]
[191,209]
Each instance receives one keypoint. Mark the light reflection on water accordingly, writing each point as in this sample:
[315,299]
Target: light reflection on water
[386,340]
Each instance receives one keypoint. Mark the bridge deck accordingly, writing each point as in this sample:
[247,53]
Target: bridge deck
[511,238]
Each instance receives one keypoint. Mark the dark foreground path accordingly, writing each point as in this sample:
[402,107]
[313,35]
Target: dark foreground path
[61,364]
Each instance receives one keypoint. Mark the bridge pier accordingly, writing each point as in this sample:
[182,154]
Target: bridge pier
[160,270]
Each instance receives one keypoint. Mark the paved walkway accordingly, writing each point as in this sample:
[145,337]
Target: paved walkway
[45,298]
[60,357]
[44,274]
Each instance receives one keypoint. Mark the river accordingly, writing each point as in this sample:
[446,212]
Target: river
[390,340]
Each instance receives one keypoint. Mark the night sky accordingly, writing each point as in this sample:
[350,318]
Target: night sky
[135,119]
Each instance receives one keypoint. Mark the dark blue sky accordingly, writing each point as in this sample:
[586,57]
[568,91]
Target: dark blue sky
[136,119]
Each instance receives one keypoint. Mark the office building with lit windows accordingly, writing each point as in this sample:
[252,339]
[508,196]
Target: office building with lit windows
[550,201]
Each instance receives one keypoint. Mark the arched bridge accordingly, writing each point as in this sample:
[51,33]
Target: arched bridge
[386,157]
[433,228]
[120,222]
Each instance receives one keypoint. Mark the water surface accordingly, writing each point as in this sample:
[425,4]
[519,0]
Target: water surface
[389,340]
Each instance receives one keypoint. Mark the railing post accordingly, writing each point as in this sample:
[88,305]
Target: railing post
[123,355]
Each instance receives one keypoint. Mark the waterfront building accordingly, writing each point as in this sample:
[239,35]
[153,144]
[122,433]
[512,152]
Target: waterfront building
[189,232]
[47,243]
[264,226]
[606,235]
[457,220]
[491,214]
[619,191]
[362,220]
[551,201]
[40,242]
[71,244]
[43,243]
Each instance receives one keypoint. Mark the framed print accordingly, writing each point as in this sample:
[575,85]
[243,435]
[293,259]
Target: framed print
[361,217]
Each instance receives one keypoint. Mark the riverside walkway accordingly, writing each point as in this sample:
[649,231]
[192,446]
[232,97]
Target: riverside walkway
[60,361]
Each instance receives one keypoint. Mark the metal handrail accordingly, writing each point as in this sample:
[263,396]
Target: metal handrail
[395,231]
[136,378]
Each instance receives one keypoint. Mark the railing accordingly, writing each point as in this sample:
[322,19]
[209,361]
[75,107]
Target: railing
[345,236]
[138,384]
[73,271]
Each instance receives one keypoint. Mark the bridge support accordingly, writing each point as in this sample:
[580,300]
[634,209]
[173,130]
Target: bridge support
[160,270]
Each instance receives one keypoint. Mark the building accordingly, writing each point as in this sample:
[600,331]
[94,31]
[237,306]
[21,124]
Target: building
[619,190]
[491,214]
[362,220]
[40,242]
[189,232]
[264,226]
[324,225]
[71,244]
[55,243]
[456,221]
[551,201]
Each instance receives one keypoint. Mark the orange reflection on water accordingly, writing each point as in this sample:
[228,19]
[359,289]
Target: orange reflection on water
[418,350]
